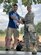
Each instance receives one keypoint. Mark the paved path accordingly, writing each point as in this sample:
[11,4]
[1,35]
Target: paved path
[17,53]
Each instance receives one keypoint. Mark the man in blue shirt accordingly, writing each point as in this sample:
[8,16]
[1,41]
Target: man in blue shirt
[14,20]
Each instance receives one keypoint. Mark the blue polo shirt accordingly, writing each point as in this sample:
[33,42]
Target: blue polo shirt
[11,23]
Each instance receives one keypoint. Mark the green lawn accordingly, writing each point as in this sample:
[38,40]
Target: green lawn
[2,48]
[2,35]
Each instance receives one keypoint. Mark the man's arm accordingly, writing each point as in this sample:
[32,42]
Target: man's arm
[12,17]
[23,21]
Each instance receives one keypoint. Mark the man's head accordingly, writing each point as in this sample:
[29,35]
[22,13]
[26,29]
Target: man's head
[15,7]
[29,8]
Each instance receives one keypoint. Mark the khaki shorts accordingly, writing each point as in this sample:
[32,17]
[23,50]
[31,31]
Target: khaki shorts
[11,31]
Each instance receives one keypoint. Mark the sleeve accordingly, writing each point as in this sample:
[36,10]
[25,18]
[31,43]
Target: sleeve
[19,17]
[10,13]
[26,17]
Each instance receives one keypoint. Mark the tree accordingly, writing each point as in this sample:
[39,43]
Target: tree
[1,1]
[25,2]
[38,28]
[2,32]
[39,1]
[8,3]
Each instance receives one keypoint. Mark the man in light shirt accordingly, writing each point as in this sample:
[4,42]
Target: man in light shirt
[29,29]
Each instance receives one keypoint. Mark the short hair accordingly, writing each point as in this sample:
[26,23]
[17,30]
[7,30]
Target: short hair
[15,5]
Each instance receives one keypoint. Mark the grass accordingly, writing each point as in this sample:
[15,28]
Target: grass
[2,34]
[2,48]
[2,38]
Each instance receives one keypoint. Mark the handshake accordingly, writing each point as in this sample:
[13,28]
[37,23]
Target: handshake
[23,21]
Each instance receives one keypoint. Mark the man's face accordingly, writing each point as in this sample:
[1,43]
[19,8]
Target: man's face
[15,8]
[29,9]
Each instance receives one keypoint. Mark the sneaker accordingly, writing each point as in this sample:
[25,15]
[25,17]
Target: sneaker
[34,51]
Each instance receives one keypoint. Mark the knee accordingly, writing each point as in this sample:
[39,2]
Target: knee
[8,39]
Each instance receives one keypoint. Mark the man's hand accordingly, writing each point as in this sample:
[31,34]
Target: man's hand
[23,21]
[19,21]
[13,17]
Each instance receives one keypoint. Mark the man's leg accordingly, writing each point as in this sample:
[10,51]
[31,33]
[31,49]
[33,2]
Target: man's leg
[8,38]
[26,40]
[33,42]
[16,36]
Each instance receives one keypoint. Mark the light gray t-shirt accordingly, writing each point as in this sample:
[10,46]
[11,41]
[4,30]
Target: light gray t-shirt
[29,22]
[29,18]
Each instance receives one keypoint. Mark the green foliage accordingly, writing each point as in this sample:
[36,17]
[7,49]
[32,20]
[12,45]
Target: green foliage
[25,2]
[35,1]
[38,28]
[15,1]
[1,1]
[8,5]
[2,48]
[39,1]
[2,32]
[9,1]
